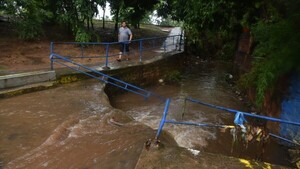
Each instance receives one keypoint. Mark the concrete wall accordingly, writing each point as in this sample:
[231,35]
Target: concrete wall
[146,74]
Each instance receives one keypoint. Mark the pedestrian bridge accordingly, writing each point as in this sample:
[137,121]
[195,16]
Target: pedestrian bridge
[104,54]
[141,50]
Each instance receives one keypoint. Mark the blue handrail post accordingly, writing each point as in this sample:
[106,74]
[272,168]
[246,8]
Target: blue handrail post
[51,47]
[174,40]
[163,120]
[51,61]
[180,41]
[106,57]
[81,49]
[141,49]
[51,57]
[165,48]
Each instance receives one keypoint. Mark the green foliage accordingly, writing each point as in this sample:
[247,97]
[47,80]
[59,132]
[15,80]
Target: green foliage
[31,15]
[28,16]
[82,35]
[276,54]
[168,21]
[29,29]
[227,51]
[135,10]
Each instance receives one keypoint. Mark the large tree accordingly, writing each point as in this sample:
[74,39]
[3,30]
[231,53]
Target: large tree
[116,6]
[138,10]
[212,24]
[31,15]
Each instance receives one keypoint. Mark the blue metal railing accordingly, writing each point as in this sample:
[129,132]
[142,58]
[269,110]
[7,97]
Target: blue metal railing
[146,94]
[102,77]
[164,120]
[139,46]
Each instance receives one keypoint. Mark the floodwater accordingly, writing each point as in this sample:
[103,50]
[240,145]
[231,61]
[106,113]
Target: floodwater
[205,81]
[68,127]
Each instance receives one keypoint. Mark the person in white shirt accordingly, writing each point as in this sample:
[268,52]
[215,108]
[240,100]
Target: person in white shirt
[124,37]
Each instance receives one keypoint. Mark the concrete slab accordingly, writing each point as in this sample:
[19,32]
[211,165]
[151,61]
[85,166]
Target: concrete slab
[4,93]
[21,79]
[178,157]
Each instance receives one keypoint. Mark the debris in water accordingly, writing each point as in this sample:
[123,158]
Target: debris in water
[114,122]
[156,142]
[148,144]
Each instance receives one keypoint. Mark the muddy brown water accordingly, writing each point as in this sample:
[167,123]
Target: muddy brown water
[68,126]
[205,81]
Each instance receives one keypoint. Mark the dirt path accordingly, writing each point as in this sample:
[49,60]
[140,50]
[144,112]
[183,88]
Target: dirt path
[21,56]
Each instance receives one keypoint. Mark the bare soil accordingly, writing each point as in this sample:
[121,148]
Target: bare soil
[18,56]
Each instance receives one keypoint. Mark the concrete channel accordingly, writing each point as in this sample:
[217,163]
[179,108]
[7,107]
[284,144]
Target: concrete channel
[168,154]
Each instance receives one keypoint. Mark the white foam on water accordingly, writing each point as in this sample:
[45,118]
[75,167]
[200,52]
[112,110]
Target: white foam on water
[146,115]
[190,137]
[194,152]
[185,136]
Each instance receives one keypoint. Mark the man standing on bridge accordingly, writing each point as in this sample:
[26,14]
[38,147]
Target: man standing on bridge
[124,37]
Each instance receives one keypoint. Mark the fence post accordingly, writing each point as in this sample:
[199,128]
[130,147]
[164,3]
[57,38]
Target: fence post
[173,40]
[180,40]
[81,49]
[163,119]
[106,57]
[141,49]
[51,61]
[51,56]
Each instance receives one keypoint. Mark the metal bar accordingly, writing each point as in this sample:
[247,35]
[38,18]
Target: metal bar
[101,79]
[51,47]
[173,40]
[162,122]
[245,113]
[180,41]
[81,49]
[51,61]
[284,139]
[194,124]
[74,57]
[143,92]
[141,49]
[106,55]
[111,43]
[51,58]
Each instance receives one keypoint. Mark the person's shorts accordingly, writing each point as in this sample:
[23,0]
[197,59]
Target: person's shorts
[124,47]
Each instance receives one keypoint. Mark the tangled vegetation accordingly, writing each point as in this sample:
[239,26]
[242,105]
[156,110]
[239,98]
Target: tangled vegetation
[212,28]
[29,16]
[277,49]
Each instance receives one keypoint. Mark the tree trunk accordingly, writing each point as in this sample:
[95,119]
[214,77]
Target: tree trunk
[103,18]
[88,23]
[117,19]
[92,24]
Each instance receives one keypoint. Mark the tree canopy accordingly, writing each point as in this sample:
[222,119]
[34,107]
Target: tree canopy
[77,15]
[211,27]
[214,25]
